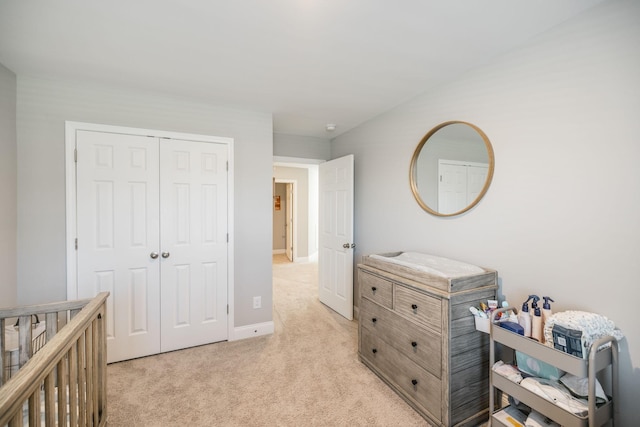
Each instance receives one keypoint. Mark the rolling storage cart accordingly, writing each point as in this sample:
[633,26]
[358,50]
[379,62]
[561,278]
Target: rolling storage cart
[589,367]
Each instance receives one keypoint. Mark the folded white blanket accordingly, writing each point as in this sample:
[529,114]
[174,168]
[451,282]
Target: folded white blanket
[592,325]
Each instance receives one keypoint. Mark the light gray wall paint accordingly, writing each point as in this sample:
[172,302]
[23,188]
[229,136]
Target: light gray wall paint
[8,188]
[43,107]
[306,147]
[301,200]
[561,216]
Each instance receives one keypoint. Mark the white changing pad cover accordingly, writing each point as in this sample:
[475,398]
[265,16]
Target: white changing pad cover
[438,266]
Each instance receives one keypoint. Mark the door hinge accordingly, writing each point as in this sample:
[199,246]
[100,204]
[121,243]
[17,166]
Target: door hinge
[227,166]
[75,155]
[227,237]
[227,308]
[76,243]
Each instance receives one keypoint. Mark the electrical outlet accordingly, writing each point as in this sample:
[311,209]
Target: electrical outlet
[257,302]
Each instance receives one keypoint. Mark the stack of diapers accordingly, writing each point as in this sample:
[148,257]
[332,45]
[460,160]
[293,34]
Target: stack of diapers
[556,393]
[575,331]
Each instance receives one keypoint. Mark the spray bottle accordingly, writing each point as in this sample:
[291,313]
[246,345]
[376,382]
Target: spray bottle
[546,312]
[524,318]
[536,320]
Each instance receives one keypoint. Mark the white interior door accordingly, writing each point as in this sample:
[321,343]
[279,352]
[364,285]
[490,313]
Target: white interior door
[288,208]
[193,198]
[117,229]
[335,258]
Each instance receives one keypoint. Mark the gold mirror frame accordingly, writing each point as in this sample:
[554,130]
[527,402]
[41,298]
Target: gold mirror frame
[414,162]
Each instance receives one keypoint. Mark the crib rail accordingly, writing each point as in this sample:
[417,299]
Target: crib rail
[65,382]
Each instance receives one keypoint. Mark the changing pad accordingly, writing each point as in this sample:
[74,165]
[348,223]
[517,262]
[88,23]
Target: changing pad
[438,266]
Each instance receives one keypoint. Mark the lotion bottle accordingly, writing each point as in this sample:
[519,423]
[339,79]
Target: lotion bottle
[524,318]
[546,312]
[546,309]
[536,324]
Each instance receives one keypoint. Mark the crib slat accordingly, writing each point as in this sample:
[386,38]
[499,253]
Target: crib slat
[62,392]
[89,355]
[16,421]
[24,339]
[73,385]
[34,409]
[49,399]
[52,325]
[95,392]
[82,381]
[102,362]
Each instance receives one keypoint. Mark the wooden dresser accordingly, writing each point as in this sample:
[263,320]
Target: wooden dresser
[417,334]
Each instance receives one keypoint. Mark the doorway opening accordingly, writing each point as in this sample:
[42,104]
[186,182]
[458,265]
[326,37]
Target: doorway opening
[283,219]
[295,209]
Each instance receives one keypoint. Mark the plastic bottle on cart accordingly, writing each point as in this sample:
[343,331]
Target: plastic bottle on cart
[534,303]
[546,312]
[546,309]
[524,318]
[536,324]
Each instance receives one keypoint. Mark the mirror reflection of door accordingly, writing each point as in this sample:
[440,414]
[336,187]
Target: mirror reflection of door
[459,184]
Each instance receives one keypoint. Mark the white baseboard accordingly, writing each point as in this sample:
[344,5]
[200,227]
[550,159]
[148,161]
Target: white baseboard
[255,330]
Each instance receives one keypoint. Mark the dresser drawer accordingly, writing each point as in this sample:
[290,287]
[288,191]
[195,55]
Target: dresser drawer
[421,345]
[376,289]
[402,373]
[418,307]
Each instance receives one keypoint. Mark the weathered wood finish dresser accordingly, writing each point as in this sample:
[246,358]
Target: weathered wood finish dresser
[417,334]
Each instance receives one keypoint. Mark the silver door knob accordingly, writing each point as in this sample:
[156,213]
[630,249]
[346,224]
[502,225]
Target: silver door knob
[153,255]
[346,246]
[165,254]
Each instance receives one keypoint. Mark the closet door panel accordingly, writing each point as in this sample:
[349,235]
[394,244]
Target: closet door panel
[193,189]
[117,230]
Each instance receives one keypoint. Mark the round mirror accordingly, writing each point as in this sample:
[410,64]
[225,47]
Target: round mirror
[452,168]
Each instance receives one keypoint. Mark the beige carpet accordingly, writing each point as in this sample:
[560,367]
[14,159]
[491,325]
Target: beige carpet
[306,374]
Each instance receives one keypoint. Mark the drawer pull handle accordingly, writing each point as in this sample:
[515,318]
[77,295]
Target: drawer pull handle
[414,344]
[414,306]
[414,382]
[374,320]
[373,289]
[375,350]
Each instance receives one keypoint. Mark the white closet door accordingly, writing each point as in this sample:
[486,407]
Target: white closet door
[193,198]
[118,232]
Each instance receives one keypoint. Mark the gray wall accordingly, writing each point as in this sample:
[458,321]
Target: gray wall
[306,147]
[561,216]
[43,107]
[8,185]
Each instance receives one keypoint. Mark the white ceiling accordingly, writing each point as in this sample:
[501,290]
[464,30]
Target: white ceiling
[309,62]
